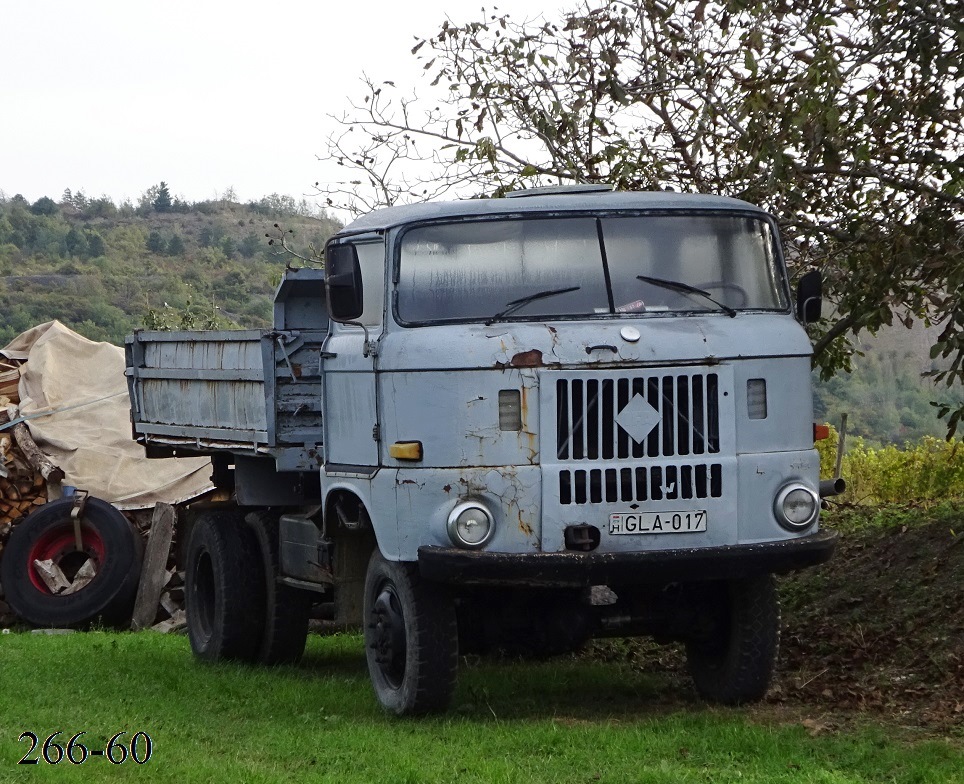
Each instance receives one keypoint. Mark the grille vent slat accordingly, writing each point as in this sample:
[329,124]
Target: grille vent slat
[684,409]
[655,483]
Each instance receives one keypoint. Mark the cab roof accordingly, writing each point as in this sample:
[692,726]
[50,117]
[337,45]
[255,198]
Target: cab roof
[545,201]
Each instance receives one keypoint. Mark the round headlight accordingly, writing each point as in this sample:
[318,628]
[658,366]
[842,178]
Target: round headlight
[796,507]
[470,524]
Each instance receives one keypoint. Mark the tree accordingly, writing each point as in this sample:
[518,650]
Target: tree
[156,243]
[250,244]
[846,120]
[95,244]
[44,206]
[145,202]
[175,246]
[163,201]
[76,243]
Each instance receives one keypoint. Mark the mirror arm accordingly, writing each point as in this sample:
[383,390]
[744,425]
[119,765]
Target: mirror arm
[371,348]
[804,306]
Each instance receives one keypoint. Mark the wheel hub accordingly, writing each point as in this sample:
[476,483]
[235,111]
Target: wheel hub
[59,547]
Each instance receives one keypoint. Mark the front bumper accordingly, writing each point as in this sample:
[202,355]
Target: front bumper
[464,567]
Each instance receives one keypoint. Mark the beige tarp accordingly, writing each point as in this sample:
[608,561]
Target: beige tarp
[78,389]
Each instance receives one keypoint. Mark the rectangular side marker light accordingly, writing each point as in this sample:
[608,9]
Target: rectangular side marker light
[406,450]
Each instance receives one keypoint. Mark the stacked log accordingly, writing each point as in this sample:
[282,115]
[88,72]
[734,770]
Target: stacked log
[22,487]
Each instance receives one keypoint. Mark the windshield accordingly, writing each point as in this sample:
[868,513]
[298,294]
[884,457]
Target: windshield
[538,268]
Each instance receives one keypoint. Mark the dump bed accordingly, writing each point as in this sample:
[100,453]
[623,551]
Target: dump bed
[240,391]
[246,392]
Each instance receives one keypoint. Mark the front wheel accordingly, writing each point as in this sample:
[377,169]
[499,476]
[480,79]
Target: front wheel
[411,638]
[732,664]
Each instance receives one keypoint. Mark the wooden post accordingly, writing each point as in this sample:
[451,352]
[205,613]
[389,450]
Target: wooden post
[154,570]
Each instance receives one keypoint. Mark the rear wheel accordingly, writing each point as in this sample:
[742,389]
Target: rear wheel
[411,638]
[224,589]
[733,663]
[286,609]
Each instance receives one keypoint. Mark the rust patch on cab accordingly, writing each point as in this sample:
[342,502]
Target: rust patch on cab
[527,359]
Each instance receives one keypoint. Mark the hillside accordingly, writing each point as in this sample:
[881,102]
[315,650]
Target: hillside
[106,269]
[886,397]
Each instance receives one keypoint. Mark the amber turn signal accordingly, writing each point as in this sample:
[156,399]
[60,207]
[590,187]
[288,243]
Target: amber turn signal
[406,450]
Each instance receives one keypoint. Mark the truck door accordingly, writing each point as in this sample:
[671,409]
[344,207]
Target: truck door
[351,409]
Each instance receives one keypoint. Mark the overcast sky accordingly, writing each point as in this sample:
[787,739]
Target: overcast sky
[113,96]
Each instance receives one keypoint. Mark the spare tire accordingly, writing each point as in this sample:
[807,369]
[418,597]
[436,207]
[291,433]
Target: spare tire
[111,546]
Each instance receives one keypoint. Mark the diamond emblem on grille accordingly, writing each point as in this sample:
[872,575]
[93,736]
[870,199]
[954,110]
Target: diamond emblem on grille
[637,418]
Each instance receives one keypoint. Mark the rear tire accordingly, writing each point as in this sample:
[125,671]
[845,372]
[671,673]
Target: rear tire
[286,609]
[224,589]
[734,665]
[411,638]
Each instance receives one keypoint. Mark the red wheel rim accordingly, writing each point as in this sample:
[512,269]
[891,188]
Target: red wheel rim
[59,545]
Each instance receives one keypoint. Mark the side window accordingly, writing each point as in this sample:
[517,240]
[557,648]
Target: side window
[371,259]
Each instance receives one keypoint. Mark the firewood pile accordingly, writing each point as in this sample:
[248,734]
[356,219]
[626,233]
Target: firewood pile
[23,486]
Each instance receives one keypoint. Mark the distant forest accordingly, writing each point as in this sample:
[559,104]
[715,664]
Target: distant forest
[887,397]
[105,269]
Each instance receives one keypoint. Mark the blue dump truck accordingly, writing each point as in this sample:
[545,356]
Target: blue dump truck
[507,424]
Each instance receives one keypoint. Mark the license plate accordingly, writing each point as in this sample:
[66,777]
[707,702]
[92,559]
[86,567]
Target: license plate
[657,522]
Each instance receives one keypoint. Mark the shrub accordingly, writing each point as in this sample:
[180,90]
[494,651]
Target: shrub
[927,471]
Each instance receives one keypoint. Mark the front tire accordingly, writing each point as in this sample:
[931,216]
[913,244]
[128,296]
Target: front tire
[733,665]
[411,639]
[224,589]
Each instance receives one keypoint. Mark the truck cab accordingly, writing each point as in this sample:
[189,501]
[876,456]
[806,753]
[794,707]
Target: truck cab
[546,418]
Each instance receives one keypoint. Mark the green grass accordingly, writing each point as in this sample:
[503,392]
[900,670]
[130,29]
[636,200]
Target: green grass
[566,721]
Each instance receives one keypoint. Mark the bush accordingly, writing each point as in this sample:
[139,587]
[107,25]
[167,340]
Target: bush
[927,471]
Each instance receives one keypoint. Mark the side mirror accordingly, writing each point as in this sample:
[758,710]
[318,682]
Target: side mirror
[809,297]
[343,282]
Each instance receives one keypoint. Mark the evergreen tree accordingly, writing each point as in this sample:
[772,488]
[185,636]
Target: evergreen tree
[175,246]
[76,243]
[163,202]
[249,245]
[95,244]
[155,242]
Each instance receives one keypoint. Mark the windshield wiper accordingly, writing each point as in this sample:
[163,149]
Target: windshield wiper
[686,288]
[512,307]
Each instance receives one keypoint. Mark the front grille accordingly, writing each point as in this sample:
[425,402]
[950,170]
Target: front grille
[644,483]
[664,415]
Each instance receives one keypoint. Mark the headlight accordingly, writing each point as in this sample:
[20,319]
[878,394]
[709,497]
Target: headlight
[796,507]
[470,525]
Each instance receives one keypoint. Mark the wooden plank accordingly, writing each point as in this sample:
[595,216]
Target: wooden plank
[154,570]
